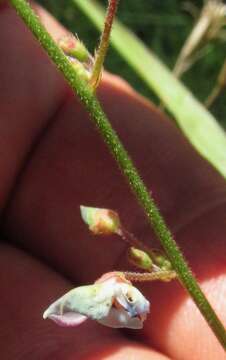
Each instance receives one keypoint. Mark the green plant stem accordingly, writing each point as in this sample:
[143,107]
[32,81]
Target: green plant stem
[92,105]
[104,43]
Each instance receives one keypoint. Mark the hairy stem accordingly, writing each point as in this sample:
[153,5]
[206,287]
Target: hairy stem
[85,93]
[104,43]
[164,275]
[131,239]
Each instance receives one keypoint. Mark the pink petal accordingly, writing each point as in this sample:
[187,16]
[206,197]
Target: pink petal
[68,319]
[115,276]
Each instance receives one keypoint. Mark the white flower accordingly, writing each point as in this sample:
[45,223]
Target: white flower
[112,301]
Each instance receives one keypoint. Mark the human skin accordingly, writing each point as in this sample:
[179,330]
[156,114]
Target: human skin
[52,161]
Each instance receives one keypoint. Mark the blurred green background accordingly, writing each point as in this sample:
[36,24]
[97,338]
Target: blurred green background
[164,26]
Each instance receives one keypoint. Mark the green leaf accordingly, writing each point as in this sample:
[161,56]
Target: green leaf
[197,123]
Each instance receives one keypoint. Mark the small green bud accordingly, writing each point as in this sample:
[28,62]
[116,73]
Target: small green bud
[140,258]
[159,260]
[162,262]
[81,71]
[101,221]
[74,47]
[166,265]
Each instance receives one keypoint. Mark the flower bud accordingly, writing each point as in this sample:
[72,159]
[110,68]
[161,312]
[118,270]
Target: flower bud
[81,70]
[74,47]
[140,258]
[163,262]
[101,221]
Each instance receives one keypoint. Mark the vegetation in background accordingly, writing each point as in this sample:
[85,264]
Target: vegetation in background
[164,27]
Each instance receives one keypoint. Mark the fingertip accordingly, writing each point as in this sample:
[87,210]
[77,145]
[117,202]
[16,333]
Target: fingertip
[122,349]
[192,331]
[55,29]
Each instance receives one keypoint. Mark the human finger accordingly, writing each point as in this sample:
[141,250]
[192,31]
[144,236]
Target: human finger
[45,201]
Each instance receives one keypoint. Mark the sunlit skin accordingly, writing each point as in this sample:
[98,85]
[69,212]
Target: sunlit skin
[52,160]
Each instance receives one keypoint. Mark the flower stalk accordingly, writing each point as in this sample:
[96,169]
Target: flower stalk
[162,275]
[212,19]
[104,44]
[85,94]
[218,88]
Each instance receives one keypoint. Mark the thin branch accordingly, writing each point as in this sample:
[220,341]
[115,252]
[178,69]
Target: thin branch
[218,88]
[208,26]
[104,43]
